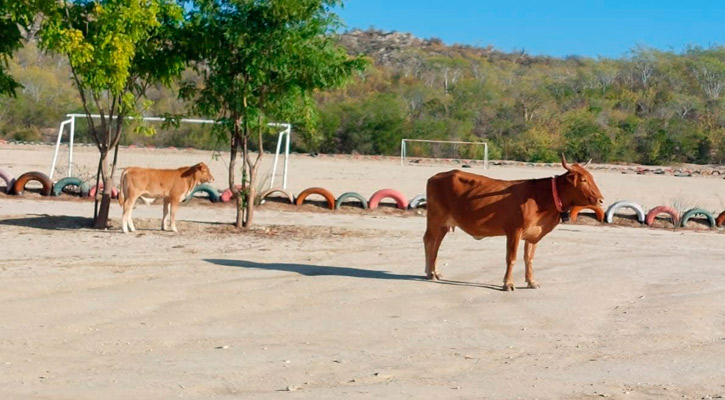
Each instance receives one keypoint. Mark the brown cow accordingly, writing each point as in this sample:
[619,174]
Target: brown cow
[172,185]
[521,209]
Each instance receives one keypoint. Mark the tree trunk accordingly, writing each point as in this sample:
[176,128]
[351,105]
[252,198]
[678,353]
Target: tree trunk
[244,200]
[101,221]
[253,168]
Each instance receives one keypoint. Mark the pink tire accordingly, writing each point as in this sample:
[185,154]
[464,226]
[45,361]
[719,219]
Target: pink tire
[9,181]
[228,195]
[92,192]
[385,193]
[649,219]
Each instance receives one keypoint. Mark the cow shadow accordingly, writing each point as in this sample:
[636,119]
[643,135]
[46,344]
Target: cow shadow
[316,270]
[322,270]
[50,222]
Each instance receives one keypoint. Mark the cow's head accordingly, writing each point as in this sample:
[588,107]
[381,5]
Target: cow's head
[201,173]
[581,188]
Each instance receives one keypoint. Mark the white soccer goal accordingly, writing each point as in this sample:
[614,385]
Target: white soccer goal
[284,134]
[421,149]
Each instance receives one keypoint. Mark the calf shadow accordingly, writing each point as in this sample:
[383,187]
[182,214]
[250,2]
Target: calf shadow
[49,222]
[321,270]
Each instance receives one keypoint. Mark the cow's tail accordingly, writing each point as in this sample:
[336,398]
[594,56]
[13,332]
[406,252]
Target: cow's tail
[122,190]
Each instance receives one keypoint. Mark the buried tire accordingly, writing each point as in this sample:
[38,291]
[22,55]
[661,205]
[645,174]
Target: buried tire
[399,198]
[19,185]
[650,218]
[71,181]
[210,191]
[599,213]
[287,195]
[9,181]
[351,195]
[698,211]
[329,197]
[625,204]
[720,220]
[92,191]
[417,201]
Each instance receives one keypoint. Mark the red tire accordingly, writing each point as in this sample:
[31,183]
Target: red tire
[268,192]
[384,193]
[19,185]
[576,209]
[92,192]
[228,195]
[720,220]
[649,219]
[317,190]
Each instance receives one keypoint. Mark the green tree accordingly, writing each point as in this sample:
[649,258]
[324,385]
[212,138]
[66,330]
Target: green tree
[116,49]
[261,59]
[16,16]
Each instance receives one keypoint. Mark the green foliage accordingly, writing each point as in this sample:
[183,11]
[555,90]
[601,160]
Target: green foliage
[648,107]
[261,60]
[16,17]
[115,49]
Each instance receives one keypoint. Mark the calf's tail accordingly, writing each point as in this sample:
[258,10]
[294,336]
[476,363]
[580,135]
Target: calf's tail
[122,189]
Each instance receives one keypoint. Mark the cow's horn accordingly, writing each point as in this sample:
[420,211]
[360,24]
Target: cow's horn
[590,160]
[563,162]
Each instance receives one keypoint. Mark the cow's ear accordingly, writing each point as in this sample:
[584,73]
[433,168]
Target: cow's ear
[573,178]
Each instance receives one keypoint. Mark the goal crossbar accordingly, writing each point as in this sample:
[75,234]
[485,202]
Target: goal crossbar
[403,149]
[284,134]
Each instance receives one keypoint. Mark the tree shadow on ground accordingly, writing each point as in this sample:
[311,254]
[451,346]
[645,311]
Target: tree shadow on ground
[321,270]
[50,222]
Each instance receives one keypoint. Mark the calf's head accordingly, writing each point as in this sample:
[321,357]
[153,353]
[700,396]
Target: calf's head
[580,187]
[200,172]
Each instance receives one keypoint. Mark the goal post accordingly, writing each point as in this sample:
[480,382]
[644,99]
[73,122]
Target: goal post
[443,149]
[283,141]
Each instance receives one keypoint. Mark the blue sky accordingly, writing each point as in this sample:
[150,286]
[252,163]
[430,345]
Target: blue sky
[557,28]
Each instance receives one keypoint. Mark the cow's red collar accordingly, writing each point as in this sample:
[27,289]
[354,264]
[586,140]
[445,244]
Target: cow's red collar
[557,199]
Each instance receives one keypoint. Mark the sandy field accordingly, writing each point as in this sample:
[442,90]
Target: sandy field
[316,304]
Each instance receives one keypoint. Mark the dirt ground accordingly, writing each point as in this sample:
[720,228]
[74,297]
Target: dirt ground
[316,304]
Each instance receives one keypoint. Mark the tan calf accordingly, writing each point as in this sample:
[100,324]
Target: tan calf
[172,185]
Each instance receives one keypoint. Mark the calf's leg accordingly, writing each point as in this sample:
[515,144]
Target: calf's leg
[167,207]
[529,250]
[173,207]
[512,246]
[126,219]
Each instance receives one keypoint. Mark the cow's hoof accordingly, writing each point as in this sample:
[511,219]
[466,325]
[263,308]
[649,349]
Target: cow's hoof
[434,276]
[509,287]
[534,285]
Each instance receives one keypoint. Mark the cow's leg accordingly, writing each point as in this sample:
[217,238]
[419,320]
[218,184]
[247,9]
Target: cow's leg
[173,207]
[167,208]
[432,242]
[512,246]
[529,250]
